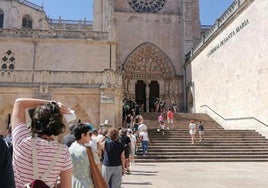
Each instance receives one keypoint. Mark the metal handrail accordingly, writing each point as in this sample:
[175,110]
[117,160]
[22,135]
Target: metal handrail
[232,119]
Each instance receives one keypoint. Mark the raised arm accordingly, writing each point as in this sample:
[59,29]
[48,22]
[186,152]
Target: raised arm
[21,104]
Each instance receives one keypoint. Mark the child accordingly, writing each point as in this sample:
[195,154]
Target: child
[162,127]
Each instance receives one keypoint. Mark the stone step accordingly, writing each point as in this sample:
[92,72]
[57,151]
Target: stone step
[216,150]
[209,147]
[209,140]
[218,159]
[229,144]
[219,144]
[160,153]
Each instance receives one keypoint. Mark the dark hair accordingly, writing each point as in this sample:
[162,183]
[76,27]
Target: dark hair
[136,120]
[95,132]
[47,120]
[79,129]
[71,128]
[123,132]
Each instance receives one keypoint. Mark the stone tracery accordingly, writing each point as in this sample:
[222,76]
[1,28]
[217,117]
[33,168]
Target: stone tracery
[148,62]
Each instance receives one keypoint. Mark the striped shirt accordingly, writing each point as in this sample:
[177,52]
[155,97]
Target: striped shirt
[46,150]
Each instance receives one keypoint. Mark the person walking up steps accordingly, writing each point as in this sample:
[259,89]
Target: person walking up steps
[162,128]
[192,130]
[170,117]
[201,131]
[144,137]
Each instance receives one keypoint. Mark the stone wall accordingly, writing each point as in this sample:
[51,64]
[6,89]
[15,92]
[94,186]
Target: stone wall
[93,104]
[14,11]
[228,78]
[78,72]
[162,30]
[60,54]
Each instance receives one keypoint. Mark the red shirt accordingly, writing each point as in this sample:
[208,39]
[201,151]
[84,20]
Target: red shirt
[170,115]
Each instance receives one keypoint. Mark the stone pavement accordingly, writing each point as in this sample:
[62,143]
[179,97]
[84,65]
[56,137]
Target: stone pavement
[198,175]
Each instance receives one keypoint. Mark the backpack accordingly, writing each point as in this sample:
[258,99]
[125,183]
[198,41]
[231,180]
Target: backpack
[125,140]
[39,183]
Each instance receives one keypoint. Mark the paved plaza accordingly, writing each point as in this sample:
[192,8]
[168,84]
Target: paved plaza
[198,175]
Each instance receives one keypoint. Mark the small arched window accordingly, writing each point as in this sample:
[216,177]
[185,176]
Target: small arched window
[1,18]
[27,22]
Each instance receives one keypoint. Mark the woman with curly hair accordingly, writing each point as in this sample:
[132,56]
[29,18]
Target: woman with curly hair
[34,149]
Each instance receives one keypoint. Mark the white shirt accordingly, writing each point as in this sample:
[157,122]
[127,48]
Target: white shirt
[145,136]
[142,127]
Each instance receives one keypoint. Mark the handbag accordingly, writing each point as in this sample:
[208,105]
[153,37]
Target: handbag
[97,177]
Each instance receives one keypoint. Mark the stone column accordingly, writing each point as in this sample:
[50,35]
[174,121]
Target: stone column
[98,15]
[147,90]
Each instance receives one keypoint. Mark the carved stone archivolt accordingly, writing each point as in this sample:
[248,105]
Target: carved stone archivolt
[148,62]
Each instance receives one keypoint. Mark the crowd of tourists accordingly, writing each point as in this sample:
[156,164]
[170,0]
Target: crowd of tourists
[87,157]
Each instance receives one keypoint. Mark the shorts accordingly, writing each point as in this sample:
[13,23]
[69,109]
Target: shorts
[192,132]
[170,121]
[133,151]
[201,132]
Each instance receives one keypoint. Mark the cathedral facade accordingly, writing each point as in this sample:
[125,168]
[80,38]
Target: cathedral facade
[152,38]
[132,49]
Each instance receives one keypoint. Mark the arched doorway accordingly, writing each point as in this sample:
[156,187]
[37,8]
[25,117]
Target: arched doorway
[154,94]
[140,92]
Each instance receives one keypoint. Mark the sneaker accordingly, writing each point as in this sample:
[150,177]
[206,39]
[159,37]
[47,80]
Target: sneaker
[128,171]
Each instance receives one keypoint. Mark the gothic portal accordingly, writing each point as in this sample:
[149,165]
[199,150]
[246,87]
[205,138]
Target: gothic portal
[152,39]
[146,68]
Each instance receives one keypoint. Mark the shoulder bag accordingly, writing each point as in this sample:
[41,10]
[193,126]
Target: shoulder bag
[97,177]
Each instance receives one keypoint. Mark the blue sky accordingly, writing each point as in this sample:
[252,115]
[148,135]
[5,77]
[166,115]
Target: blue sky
[210,10]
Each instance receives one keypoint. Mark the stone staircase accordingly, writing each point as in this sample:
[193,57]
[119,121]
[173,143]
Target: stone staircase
[219,145]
